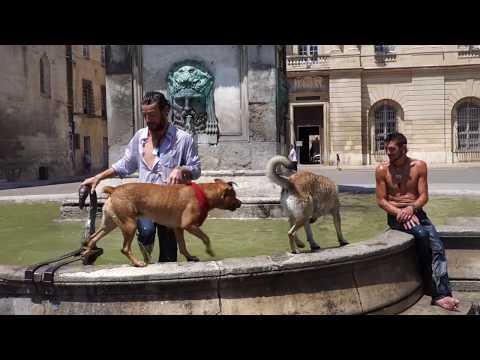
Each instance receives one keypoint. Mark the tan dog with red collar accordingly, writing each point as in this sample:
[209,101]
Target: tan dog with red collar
[180,207]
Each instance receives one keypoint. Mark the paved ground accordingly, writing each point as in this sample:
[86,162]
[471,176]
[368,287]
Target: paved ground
[451,180]
[458,179]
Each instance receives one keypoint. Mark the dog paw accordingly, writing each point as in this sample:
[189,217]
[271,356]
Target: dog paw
[315,248]
[193,258]
[296,251]
[343,243]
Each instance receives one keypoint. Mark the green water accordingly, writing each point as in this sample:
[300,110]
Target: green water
[29,232]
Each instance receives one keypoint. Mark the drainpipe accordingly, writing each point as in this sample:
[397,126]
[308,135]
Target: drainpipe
[71,123]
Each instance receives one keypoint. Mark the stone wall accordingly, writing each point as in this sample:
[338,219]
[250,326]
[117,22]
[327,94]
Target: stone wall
[120,112]
[245,94]
[33,127]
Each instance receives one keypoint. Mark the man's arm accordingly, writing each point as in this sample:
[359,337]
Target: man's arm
[93,181]
[192,160]
[408,212]
[422,186]
[381,192]
[191,169]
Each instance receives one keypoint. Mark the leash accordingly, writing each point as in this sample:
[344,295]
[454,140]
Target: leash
[202,202]
[42,274]
[89,227]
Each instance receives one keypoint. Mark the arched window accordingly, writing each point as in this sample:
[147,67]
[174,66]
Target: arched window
[468,126]
[45,76]
[385,118]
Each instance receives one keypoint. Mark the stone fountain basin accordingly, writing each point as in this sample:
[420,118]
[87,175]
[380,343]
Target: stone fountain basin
[375,276]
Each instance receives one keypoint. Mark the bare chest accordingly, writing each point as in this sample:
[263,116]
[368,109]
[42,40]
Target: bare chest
[402,182]
[147,153]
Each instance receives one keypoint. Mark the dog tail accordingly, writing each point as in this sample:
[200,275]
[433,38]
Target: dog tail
[108,190]
[271,171]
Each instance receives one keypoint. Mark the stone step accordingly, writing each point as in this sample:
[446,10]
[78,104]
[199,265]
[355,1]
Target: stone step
[465,285]
[468,303]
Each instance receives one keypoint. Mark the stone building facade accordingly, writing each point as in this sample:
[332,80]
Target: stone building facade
[90,112]
[34,131]
[350,96]
[41,110]
[232,99]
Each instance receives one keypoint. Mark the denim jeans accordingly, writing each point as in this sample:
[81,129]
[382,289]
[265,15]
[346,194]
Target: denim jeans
[166,237]
[431,254]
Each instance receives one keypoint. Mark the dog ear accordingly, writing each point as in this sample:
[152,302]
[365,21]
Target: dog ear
[218,180]
[231,183]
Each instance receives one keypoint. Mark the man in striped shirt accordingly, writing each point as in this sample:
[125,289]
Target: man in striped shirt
[162,154]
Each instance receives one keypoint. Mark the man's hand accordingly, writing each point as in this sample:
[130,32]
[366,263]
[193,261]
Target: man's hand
[93,182]
[405,214]
[179,176]
[412,222]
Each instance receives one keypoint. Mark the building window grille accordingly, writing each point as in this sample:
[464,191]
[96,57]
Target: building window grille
[468,127]
[88,102]
[384,49]
[385,123]
[305,50]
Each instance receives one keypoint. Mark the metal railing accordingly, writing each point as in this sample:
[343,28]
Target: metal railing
[306,61]
[469,53]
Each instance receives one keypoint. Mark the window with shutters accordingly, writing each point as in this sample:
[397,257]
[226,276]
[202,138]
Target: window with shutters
[45,76]
[88,101]
[86,51]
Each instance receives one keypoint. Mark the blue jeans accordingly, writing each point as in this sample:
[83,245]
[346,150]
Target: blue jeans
[166,237]
[431,254]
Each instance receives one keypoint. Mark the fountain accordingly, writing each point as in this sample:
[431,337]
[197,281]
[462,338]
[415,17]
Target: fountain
[238,122]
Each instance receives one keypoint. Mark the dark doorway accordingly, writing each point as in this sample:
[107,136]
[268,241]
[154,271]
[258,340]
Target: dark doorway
[308,122]
[43,173]
[307,135]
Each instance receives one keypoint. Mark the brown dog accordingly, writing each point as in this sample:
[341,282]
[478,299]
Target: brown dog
[176,206]
[305,197]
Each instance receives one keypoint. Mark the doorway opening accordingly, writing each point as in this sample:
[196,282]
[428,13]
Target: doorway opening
[308,123]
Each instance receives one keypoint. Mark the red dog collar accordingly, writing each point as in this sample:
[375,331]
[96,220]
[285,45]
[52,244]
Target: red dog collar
[202,202]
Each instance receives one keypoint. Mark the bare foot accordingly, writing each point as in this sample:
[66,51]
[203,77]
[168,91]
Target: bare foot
[137,263]
[448,303]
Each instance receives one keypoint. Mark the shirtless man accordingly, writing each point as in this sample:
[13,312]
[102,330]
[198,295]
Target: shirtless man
[402,191]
